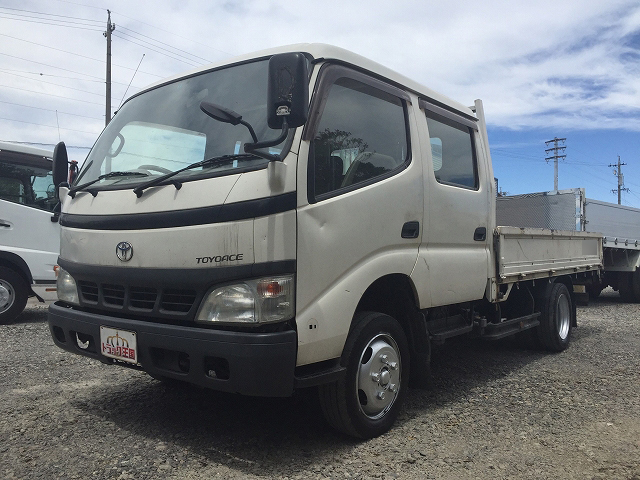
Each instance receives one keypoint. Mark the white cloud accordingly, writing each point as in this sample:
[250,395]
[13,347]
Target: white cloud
[569,64]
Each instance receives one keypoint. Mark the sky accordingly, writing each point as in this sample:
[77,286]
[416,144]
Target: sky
[544,70]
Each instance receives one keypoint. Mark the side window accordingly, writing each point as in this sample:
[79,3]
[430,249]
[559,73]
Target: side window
[27,185]
[453,152]
[360,136]
[12,189]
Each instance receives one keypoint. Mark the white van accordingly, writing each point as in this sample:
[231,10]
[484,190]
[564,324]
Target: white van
[29,230]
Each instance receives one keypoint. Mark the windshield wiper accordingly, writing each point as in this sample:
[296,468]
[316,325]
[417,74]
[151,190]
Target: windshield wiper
[74,190]
[209,162]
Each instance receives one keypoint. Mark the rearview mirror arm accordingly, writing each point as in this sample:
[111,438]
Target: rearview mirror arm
[253,147]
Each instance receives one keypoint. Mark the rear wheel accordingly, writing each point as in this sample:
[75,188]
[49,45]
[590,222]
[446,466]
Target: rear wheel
[366,401]
[625,287]
[635,286]
[554,331]
[13,295]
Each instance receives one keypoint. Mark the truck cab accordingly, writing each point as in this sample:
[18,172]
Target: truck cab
[29,233]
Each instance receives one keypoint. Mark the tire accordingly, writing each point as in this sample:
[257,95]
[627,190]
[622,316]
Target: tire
[635,286]
[13,295]
[366,401]
[625,287]
[554,331]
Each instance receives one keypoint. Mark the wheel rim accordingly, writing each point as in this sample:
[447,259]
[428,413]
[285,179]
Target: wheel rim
[563,316]
[379,374]
[7,296]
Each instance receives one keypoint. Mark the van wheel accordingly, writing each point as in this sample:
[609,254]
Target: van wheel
[13,295]
[554,330]
[366,401]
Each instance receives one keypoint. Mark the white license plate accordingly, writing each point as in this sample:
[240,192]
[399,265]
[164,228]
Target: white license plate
[119,344]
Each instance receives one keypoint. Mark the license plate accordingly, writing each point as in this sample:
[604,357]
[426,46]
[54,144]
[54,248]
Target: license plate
[119,344]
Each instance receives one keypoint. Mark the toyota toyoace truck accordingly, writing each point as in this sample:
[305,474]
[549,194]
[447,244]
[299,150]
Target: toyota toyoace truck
[301,217]
[29,232]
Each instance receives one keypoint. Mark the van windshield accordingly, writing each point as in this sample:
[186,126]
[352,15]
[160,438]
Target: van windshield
[163,129]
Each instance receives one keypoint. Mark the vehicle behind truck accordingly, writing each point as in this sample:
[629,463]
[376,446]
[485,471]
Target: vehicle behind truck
[301,217]
[29,232]
[571,210]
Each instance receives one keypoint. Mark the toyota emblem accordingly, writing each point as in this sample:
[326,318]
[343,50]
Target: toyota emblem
[124,251]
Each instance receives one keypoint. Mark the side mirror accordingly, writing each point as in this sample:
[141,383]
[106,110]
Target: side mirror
[288,90]
[220,113]
[60,164]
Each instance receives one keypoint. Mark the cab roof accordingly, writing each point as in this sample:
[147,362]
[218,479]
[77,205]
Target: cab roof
[26,149]
[321,51]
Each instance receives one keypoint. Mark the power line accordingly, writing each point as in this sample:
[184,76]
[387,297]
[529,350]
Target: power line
[68,25]
[49,14]
[81,4]
[148,24]
[153,49]
[172,33]
[51,75]
[51,95]
[54,84]
[166,44]
[50,126]
[52,66]
[77,55]
[49,110]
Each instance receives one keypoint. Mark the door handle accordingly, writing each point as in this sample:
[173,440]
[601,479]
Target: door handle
[480,235]
[4,224]
[410,230]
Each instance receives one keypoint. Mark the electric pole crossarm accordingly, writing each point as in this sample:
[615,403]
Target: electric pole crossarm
[555,149]
[618,172]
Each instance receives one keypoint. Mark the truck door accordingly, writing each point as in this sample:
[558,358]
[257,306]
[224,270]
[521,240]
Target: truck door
[26,203]
[363,187]
[454,254]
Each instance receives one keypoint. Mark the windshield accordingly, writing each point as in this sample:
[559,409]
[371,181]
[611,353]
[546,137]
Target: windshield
[163,130]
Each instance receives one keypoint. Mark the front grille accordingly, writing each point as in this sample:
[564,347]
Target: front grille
[143,297]
[138,299]
[113,294]
[178,300]
[89,291]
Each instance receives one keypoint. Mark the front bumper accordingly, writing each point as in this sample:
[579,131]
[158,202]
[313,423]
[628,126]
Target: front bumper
[260,364]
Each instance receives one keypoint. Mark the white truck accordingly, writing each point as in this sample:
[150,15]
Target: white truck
[29,232]
[197,247]
[570,209]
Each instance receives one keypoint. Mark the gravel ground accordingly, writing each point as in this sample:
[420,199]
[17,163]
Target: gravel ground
[494,410]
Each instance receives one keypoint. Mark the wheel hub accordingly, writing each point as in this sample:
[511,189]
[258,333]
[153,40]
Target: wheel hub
[563,315]
[379,376]
[6,296]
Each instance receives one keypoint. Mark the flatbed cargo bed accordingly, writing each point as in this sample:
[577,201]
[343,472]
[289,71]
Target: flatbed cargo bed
[524,253]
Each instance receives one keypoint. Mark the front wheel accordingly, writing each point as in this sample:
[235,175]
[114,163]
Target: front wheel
[366,401]
[556,319]
[13,295]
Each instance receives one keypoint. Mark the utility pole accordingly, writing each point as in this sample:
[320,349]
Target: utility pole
[618,171]
[556,148]
[110,28]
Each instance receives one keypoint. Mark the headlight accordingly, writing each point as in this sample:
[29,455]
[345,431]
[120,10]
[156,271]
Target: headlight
[264,300]
[67,288]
